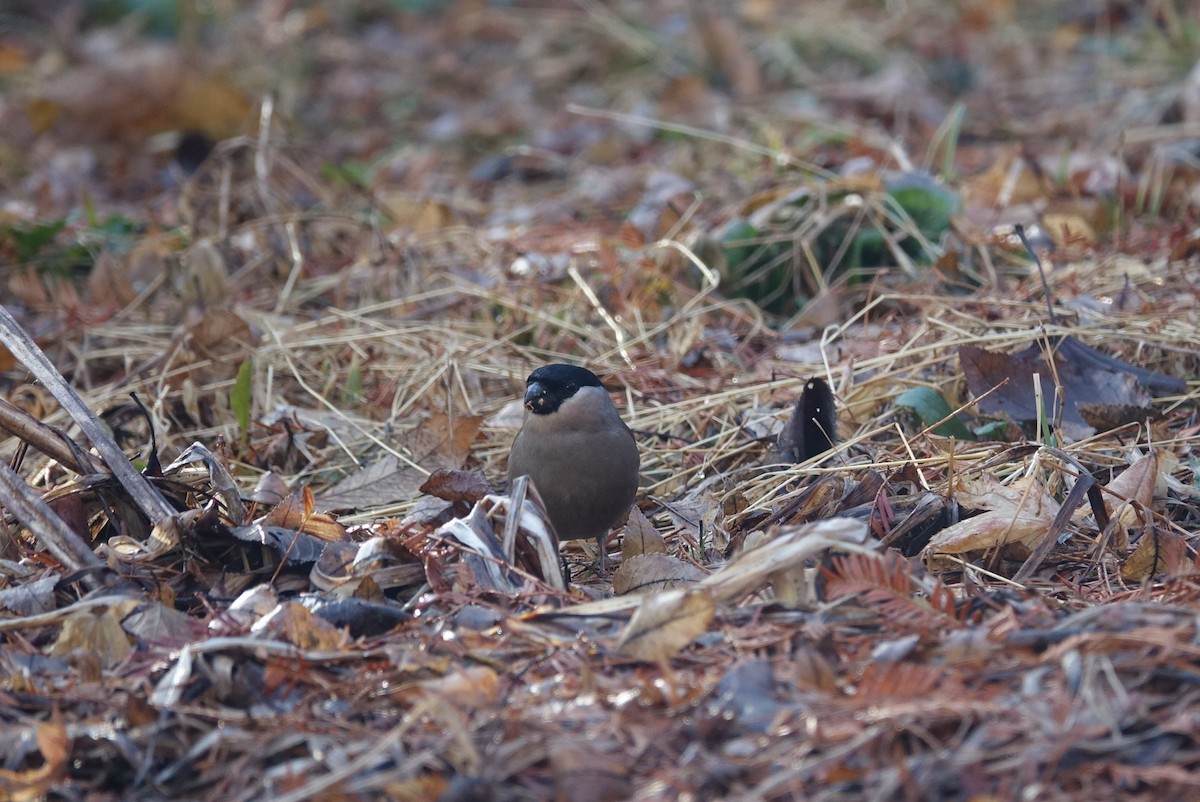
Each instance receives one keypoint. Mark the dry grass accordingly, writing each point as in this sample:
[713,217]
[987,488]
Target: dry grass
[392,324]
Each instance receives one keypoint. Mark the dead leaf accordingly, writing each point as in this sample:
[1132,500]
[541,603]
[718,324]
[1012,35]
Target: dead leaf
[385,482]
[1160,551]
[293,623]
[1008,181]
[419,789]
[30,597]
[665,623]
[1068,229]
[1005,383]
[97,632]
[649,573]
[294,546]
[786,548]
[809,669]
[640,537]
[444,441]
[220,333]
[455,485]
[792,587]
[437,441]
[1143,482]
[270,489]
[421,215]
[202,277]
[1020,512]
[154,622]
[745,699]
[296,513]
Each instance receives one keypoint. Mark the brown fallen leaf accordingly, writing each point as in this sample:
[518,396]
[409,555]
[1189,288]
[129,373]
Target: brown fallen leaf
[438,441]
[640,537]
[785,548]
[384,482]
[1160,551]
[96,631]
[1067,228]
[650,573]
[296,512]
[1019,512]
[1004,383]
[270,489]
[156,622]
[1143,482]
[293,623]
[663,624]
[454,485]
[32,597]
[443,441]
[419,789]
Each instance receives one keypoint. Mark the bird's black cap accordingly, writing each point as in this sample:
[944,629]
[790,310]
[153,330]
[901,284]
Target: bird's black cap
[550,385]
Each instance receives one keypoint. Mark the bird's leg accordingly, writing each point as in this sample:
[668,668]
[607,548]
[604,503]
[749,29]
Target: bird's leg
[602,544]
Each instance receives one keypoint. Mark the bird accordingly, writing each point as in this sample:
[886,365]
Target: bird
[578,453]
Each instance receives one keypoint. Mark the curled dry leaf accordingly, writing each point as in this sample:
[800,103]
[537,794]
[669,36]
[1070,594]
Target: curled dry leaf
[382,560]
[294,547]
[455,485]
[1143,482]
[665,623]
[647,573]
[790,584]
[298,512]
[1019,512]
[1160,551]
[787,548]
[361,617]
[524,540]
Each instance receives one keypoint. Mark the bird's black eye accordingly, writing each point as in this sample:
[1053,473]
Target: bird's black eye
[571,388]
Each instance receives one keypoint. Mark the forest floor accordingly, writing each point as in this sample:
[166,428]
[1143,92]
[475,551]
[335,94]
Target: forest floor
[289,265]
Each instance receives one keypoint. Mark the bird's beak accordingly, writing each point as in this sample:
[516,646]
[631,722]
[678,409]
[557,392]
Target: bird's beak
[535,396]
